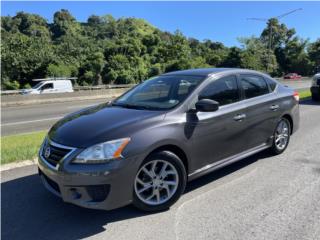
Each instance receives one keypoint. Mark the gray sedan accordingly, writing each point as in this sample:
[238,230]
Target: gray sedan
[144,146]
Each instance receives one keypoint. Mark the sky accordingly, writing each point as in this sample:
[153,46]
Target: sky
[217,21]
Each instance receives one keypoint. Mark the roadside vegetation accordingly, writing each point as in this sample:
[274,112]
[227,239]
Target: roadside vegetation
[304,94]
[20,147]
[106,50]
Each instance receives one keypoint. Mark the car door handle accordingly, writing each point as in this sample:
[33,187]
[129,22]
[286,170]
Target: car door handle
[274,107]
[239,117]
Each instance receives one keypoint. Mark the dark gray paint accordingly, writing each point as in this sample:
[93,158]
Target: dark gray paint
[208,139]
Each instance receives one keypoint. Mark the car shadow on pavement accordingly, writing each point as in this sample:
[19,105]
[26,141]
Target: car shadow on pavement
[30,212]
[220,173]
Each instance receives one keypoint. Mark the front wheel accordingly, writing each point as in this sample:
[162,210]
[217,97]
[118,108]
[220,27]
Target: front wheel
[281,136]
[159,182]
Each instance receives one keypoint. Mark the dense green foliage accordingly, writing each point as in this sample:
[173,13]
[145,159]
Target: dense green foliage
[127,50]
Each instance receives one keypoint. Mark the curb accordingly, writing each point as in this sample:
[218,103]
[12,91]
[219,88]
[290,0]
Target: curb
[14,165]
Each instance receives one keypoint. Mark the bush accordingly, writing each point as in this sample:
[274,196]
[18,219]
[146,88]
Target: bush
[11,85]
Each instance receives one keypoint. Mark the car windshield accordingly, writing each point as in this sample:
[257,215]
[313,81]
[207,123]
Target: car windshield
[37,85]
[159,93]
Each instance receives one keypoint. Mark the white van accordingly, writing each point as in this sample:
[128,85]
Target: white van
[50,86]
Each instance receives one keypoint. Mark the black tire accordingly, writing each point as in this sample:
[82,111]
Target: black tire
[274,148]
[179,166]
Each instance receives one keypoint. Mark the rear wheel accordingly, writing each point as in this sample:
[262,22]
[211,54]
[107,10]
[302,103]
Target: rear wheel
[159,182]
[281,136]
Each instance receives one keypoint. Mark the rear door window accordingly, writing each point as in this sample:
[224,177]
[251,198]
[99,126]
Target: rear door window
[272,84]
[253,86]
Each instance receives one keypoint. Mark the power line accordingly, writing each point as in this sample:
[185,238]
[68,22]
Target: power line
[270,31]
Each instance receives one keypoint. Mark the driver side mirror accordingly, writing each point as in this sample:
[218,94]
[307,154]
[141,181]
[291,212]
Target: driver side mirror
[207,105]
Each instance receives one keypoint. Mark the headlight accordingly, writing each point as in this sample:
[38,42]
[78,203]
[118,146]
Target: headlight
[102,152]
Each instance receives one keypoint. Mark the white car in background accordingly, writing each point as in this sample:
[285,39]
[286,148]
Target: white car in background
[50,86]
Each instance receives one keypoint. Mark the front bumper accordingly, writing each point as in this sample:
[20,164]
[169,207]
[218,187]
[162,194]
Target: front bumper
[98,186]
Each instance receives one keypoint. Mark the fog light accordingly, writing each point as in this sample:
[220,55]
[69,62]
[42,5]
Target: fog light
[75,194]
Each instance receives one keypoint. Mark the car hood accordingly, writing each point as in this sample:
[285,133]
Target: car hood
[99,124]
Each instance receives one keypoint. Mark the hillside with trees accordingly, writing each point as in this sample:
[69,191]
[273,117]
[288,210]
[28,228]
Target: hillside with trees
[105,50]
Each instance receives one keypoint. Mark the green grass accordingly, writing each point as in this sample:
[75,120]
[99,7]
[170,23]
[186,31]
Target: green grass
[21,147]
[304,94]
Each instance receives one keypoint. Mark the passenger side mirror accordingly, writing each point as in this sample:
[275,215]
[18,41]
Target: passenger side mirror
[207,105]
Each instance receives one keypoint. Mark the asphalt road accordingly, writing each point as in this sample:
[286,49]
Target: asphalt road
[30,118]
[261,197]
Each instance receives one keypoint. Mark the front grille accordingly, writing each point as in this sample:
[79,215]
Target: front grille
[56,153]
[98,193]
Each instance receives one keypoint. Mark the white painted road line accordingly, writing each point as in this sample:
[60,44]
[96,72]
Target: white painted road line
[31,121]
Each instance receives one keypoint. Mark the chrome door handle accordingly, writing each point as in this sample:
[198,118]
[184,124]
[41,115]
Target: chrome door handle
[239,117]
[274,107]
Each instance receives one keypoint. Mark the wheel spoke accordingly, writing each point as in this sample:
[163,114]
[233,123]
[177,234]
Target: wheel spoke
[150,197]
[173,183]
[163,170]
[153,168]
[146,187]
[157,193]
[166,187]
[140,181]
[147,172]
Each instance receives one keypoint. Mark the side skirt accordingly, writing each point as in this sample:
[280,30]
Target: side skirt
[227,161]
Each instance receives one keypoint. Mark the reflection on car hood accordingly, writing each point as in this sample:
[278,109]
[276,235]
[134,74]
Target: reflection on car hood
[99,124]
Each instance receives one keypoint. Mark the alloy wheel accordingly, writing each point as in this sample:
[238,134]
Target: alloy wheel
[156,182]
[282,135]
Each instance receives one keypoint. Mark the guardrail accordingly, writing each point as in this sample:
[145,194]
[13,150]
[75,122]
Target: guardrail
[100,87]
[113,86]
[10,92]
[78,88]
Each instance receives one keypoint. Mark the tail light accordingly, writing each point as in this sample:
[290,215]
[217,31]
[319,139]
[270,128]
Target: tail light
[296,96]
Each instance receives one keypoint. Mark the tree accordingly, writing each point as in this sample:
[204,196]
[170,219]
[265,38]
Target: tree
[128,50]
[93,67]
[276,35]
[314,54]
[256,56]
[64,24]
[233,58]
[294,57]
[23,58]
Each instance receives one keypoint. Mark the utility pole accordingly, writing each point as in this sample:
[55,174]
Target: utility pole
[270,31]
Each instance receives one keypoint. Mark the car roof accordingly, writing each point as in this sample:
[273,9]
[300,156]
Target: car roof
[208,71]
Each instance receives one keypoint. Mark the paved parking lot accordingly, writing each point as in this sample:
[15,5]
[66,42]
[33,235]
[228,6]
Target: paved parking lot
[261,197]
